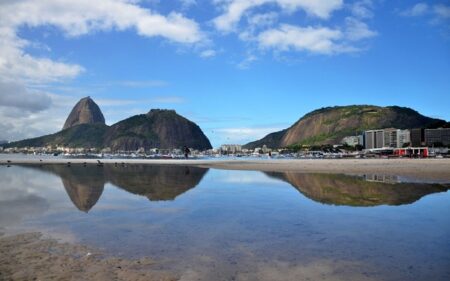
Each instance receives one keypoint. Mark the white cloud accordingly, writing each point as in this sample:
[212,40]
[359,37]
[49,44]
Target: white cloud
[208,53]
[235,9]
[357,30]
[16,64]
[320,40]
[257,22]
[17,96]
[76,18]
[80,17]
[20,125]
[248,60]
[261,20]
[437,13]
[442,11]
[188,3]
[262,29]
[362,9]
[317,39]
[418,9]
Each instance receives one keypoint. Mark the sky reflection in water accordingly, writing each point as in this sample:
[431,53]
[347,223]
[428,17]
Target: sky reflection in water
[219,225]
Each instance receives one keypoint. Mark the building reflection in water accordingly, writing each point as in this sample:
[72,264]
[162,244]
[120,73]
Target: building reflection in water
[382,178]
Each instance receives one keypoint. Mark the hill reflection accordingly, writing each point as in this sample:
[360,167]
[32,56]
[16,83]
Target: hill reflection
[338,189]
[84,185]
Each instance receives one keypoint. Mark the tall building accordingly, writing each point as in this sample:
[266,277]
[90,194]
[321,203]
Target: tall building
[393,138]
[390,137]
[396,138]
[374,139]
[439,136]
[231,148]
[417,137]
[403,137]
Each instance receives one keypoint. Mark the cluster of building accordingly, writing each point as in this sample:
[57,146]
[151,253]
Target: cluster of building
[401,142]
[104,152]
[397,138]
[232,149]
[393,138]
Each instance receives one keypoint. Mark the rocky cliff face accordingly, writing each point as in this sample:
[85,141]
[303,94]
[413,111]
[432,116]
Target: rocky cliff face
[85,127]
[329,125]
[158,128]
[86,111]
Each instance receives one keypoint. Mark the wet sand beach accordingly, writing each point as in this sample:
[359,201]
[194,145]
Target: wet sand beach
[30,257]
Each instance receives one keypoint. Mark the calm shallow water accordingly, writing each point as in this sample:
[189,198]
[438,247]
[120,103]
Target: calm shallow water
[239,225]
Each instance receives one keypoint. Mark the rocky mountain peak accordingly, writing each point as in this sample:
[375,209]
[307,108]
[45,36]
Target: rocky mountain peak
[153,112]
[86,111]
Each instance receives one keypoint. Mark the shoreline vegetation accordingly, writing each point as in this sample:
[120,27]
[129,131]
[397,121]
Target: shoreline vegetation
[429,169]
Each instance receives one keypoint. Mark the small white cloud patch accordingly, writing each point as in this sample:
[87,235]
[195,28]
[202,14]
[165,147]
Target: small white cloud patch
[208,53]
[235,9]
[320,40]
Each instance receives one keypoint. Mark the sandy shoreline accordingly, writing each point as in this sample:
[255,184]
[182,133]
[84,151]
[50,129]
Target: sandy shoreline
[30,257]
[438,169]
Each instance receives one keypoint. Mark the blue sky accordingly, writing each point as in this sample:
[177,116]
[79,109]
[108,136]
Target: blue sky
[238,68]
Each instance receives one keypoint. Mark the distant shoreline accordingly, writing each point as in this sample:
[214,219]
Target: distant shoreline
[438,169]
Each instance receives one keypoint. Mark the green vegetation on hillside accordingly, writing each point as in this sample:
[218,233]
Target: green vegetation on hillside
[157,129]
[329,125]
[84,135]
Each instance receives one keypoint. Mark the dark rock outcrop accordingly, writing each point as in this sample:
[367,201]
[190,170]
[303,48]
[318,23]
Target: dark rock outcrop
[159,128]
[85,127]
[86,111]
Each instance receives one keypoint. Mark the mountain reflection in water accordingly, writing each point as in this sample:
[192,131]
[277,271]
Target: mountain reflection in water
[84,185]
[368,190]
[238,225]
